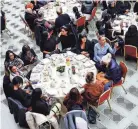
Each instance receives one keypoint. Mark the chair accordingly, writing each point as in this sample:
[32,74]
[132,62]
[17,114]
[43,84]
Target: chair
[93,14]
[18,110]
[124,72]
[80,23]
[103,97]
[27,26]
[131,51]
[70,119]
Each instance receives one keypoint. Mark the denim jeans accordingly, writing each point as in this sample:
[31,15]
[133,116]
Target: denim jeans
[107,85]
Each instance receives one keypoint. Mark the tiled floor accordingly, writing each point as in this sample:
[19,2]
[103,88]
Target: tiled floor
[124,113]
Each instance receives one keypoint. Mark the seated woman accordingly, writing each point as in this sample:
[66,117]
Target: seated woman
[85,47]
[136,8]
[93,89]
[30,17]
[73,100]
[19,94]
[48,44]
[28,55]
[100,50]
[67,39]
[12,59]
[113,70]
[3,21]
[131,36]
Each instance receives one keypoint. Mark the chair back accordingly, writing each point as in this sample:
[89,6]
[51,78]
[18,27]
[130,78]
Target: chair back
[130,51]
[105,96]
[70,119]
[24,21]
[93,13]
[18,111]
[124,69]
[81,21]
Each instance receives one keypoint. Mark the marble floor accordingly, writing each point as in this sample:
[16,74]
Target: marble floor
[124,113]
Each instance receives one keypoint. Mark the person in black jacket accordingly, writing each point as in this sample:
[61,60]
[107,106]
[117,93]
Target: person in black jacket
[3,21]
[131,37]
[76,12]
[123,7]
[66,38]
[136,7]
[48,44]
[28,55]
[39,105]
[30,17]
[19,94]
[6,86]
[62,19]
[85,47]
[112,9]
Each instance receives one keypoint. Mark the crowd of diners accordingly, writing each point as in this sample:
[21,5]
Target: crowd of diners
[48,35]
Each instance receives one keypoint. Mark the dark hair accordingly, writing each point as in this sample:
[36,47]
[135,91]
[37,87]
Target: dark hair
[99,24]
[74,95]
[10,67]
[90,77]
[17,80]
[25,48]
[40,14]
[77,14]
[82,36]
[7,58]
[108,28]
[65,28]
[36,94]
[132,31]
[107,17]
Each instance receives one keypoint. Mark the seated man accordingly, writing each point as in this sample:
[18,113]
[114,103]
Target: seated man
[62,19]
[67,39]
[3,21]
[30,17]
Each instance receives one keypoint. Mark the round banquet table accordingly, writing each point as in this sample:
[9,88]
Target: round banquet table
[67,5]
[45,76]
[128,20]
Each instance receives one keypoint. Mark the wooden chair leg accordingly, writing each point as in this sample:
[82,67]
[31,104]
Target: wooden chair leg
[109,105]
[124,89]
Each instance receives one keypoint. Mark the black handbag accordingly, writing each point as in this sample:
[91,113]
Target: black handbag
[92,115]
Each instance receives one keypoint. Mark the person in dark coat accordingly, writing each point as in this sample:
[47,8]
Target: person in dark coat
[30,17]
[131,37]
[19,94]
[62,19]
[28,55]
[123,7]
[3,21]
[136,7]
[66,38]
[85,47]
[39,105]
[112,9]
[48,44]
[6,86]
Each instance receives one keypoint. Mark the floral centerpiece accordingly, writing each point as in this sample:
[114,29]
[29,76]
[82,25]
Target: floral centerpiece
[61,69]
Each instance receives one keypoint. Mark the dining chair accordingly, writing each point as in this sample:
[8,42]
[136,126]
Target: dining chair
[132,51]
[80,23]
[124,73]
[27,26]
[103,97]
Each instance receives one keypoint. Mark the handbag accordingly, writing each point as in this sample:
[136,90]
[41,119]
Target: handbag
[92,115]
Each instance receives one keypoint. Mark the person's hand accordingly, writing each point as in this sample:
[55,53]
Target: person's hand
[59,34]
[116,45]
[28,91]
[126,12]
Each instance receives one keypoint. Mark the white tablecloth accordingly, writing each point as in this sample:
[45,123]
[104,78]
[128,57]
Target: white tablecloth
[45,76]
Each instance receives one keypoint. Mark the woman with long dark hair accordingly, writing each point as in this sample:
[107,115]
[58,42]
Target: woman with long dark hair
[73,100]
[28,55]
[12,59]
[131,37]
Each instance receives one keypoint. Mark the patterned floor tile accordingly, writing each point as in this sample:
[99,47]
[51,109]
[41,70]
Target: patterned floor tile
[133,90]
[5,102]
[132,126]
[1,91]
[114,116]
[125,103]
[98,125]
[130,72]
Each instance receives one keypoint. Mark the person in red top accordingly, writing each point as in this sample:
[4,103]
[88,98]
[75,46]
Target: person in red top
[93,89]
